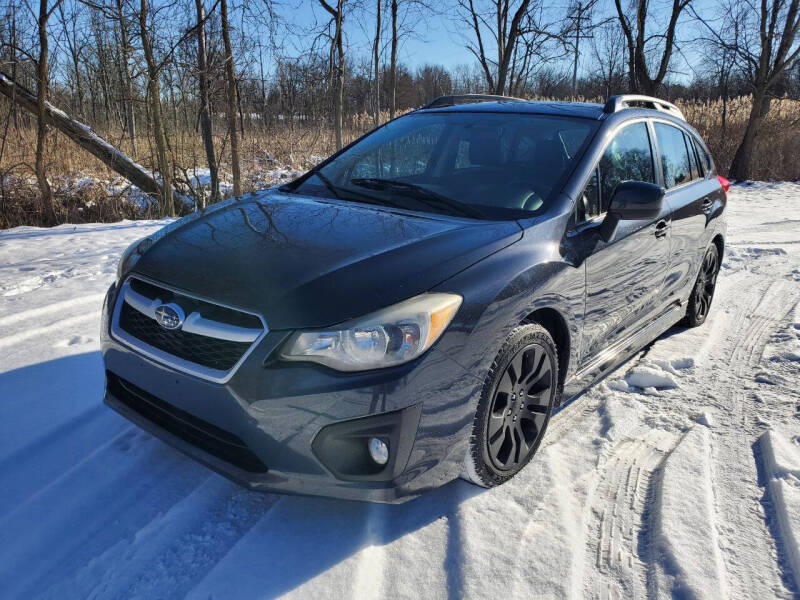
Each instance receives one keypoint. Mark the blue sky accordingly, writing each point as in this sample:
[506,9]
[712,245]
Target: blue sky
[436,38]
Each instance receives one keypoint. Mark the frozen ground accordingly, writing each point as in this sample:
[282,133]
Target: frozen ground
[677,476]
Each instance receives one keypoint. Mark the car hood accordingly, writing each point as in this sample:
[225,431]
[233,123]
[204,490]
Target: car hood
[312,262]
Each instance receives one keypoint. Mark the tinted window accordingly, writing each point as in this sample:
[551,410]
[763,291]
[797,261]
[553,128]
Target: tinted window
[701,158]
[499,164]
[692,157]
[674,156]
[627,158]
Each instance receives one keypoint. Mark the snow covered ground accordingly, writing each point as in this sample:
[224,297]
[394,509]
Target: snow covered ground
[677,476]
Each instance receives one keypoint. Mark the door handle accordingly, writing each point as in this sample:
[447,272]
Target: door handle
[707,204]
[661,229]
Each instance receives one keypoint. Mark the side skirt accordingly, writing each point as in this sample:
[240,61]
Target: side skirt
[613,356]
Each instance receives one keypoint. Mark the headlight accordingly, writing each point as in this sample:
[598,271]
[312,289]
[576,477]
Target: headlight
[131,256]
[390,336]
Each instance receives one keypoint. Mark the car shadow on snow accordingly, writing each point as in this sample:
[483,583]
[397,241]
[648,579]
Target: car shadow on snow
[80,484]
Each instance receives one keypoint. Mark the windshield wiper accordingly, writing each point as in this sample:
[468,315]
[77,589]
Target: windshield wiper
[357,196]
[328,183]
[422,194]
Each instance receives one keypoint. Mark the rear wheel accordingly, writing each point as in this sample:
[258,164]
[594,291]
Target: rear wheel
[518,396]
[699,303]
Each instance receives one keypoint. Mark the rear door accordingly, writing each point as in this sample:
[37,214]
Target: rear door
[683,175]
[624,277]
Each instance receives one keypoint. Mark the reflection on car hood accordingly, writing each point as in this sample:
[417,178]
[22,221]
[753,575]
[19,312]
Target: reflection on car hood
[311,262]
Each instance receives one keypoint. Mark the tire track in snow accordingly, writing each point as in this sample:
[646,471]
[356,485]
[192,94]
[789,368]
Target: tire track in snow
[618,515]
[26,334]
[31,468]
[686,522]
[169,554]
[739,507]
[34,313]
[108,496]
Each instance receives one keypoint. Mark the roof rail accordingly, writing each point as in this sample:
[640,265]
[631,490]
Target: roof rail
[617,103]
[468,98]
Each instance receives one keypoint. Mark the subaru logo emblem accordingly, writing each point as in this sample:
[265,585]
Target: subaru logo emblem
[170,316]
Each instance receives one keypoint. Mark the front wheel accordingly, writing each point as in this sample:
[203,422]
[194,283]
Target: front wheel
[514,409]
[699,303]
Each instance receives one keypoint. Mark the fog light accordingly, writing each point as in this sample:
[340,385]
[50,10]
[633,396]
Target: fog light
[378,450]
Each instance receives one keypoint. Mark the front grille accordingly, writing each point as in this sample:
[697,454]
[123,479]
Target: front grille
[210,342]
[209,352]
[202,434]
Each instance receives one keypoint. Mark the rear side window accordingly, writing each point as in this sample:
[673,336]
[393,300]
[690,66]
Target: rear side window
[692,157]
[701,157]
[674,155]
[627,158]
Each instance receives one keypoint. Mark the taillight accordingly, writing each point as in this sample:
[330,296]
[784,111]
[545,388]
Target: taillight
[724,183]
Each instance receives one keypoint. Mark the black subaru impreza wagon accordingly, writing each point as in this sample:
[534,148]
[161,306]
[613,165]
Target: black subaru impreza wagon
[414,308]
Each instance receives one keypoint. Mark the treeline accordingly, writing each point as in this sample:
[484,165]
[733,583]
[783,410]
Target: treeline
[215,83]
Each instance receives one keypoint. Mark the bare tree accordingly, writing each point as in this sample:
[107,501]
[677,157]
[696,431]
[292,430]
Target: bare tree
[503,22]
[154,99]
[508,38]
[124,68]
[766,45]
[641,46]
[83,136]
[43,83]
[230,76]
[393,61]
[337,65]
[205,117]
[376,46]
[608,49]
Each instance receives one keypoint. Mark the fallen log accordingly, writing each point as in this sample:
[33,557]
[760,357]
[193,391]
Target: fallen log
[86,138]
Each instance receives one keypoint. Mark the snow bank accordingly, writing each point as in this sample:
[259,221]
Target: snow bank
[686,533]
[780,453]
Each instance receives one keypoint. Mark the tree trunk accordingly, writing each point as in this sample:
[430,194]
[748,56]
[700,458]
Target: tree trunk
[87,139]
[42,77]
[154,98]
[742,159]
[338,98]
[393,62]
[507,40]
[376,64]
[127,85]
[230,76]
[205,117]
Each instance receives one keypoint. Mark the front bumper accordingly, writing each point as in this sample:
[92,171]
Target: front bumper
[288,428]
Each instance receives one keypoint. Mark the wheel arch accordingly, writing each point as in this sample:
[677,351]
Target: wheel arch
[719,242]
[556,325]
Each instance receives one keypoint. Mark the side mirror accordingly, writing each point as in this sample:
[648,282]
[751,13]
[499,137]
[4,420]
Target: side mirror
[632,200]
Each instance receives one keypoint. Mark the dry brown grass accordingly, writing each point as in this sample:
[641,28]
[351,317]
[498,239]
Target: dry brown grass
[81,183]
[777,147]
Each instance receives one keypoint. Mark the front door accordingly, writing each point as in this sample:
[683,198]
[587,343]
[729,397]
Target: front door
[624,277]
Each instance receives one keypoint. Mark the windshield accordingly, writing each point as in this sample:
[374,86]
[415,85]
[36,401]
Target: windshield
[482,165]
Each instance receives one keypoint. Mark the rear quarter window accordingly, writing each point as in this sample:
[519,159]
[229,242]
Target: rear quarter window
[675,163]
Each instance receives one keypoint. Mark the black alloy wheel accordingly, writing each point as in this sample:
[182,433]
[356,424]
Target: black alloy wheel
[520,391]
[520,407]
[703,292]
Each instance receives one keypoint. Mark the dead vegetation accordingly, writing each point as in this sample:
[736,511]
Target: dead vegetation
[84,190]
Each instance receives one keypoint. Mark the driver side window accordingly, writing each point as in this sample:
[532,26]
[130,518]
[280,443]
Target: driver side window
[627,158]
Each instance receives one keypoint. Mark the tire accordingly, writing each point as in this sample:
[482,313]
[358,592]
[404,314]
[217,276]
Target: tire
[699,304]
[507,432]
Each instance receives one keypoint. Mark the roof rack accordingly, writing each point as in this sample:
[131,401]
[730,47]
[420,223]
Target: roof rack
[617,103]
[468,98]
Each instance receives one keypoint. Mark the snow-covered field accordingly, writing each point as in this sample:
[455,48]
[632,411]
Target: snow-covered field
[689,488]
